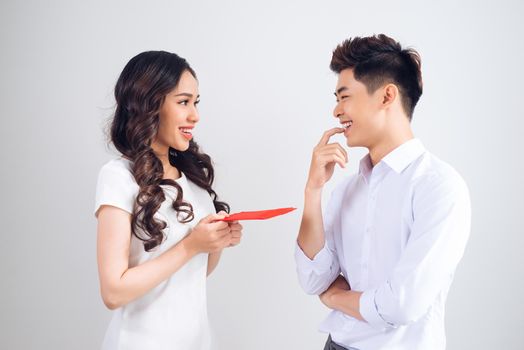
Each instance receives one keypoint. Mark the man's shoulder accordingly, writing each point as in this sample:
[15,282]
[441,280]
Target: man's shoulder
[433,173]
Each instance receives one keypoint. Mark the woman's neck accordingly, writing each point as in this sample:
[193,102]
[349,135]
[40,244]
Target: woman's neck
[162,153]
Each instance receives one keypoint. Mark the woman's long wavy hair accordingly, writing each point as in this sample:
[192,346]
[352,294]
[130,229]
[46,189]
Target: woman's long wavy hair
[139,92]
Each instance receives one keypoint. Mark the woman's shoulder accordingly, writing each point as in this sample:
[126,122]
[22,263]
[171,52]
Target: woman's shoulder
[118,164]
[116,185]
[118,169]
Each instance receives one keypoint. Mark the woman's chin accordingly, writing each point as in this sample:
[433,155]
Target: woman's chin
[181,146]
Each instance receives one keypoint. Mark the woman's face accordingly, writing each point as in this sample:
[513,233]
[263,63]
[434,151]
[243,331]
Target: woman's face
[178,115]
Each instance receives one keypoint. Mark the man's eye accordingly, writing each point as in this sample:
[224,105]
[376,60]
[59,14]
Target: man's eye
[343,97]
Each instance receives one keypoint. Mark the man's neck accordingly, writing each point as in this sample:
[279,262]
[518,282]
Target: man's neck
[389,143]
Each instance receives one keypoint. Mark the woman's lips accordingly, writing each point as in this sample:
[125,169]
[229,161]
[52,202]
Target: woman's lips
[187,132]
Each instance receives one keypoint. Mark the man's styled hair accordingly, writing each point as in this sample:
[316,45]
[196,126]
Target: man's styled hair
[379,60]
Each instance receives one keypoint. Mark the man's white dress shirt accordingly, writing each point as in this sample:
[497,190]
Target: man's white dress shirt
[396,231]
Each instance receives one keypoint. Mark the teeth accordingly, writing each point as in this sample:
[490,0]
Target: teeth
[347,124]
[187,131]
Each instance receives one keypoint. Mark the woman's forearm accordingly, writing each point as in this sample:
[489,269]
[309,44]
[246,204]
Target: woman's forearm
[138,280]
[212,261]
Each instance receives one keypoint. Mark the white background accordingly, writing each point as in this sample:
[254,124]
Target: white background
[267,96]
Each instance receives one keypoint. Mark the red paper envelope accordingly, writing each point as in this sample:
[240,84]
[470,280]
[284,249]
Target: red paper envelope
[258,215]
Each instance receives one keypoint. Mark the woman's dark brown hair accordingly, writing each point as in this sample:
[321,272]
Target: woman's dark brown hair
[139,92]
[378,60]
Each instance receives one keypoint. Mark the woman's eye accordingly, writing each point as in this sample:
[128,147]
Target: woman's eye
[197,102]
[184,103]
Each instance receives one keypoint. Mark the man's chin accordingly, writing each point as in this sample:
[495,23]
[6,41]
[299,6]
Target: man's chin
[351,142]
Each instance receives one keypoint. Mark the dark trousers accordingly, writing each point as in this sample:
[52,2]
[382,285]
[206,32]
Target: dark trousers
[330,345]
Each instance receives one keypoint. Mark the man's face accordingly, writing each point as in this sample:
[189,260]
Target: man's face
[358,111]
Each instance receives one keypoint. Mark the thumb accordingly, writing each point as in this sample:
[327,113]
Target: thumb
[214,217]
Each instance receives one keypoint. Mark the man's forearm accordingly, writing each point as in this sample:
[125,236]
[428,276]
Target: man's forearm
[311,234]
[346,301]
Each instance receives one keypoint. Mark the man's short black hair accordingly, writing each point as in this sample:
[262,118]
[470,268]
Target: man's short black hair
[378,60]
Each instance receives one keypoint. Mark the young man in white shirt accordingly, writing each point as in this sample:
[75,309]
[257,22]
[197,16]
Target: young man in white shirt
[383,253]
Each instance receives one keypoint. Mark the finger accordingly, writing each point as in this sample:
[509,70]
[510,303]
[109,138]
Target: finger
[218,225]
[332,147]
[236,227]
[214,217]
[234,242]
[325,138]
[333,158]
[237,236]
[342,154]
[225,241]
[224,231]
[337,146]
[335,150]
[236,233]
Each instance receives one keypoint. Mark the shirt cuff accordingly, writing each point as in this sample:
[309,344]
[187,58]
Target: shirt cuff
[368,310]
[320,264]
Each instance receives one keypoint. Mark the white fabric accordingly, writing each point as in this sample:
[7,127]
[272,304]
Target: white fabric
[173,315]
[396,231]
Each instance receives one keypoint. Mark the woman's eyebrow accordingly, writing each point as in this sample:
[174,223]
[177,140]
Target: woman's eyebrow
[186,94]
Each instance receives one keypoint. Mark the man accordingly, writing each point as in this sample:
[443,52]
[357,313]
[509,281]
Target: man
[383,253]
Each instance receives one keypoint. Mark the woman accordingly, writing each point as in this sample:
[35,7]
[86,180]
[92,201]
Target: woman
[159,234]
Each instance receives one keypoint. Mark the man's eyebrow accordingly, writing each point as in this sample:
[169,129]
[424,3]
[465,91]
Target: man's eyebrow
[343,88]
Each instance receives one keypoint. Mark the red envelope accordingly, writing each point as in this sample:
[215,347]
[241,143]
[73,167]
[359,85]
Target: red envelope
[258,215]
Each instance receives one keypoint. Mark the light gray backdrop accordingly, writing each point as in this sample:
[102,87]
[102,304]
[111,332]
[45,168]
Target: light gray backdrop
[267,96]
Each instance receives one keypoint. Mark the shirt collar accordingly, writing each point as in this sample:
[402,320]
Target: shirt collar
[398,159]
[404,155]
[365,166]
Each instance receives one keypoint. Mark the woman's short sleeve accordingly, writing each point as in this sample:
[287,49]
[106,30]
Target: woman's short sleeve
[116,187]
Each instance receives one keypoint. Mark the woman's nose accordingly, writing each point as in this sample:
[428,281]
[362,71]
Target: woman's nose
[194,116]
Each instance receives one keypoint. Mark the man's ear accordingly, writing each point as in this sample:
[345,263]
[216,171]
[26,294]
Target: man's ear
[389,94]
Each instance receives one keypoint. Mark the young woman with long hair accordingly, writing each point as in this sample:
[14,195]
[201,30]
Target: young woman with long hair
[159,228]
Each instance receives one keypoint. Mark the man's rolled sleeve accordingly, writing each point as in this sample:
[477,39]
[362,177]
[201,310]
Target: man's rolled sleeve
[321,263]
[315,275]
[369,310]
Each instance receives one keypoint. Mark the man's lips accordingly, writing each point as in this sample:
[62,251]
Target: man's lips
[346,125]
